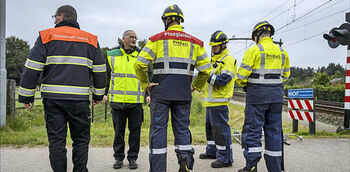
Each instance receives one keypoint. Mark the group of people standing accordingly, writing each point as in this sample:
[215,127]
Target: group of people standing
[162,73]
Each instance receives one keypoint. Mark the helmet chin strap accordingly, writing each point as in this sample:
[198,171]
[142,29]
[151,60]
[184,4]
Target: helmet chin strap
[221,49]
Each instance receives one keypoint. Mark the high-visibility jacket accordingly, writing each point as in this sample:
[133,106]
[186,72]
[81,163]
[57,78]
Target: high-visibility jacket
[264,63]
[68,59]
[218,89]
[175,54]
[123,85]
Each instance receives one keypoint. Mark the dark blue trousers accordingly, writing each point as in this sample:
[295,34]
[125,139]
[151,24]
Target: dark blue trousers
[268,117]
[218,133]
[180,120]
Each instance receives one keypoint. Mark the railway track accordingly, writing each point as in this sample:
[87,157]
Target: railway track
[321,106]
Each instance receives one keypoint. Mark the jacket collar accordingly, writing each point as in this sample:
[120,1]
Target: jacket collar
[219,56]
[69,23]
[133,51]
[176,27]
[265,40]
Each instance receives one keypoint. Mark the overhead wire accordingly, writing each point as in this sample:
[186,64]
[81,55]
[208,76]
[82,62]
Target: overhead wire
[303,15]
[302,40]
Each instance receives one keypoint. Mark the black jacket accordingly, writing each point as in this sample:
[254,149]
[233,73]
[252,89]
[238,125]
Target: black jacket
[70,60]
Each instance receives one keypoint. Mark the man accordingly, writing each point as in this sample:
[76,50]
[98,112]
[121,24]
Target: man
[68,58]
[264,68]
[174,54]
[217,93]
[126,99]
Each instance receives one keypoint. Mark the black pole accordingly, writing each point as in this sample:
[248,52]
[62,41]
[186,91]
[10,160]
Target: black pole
[312,125]
[92,111]
[295,126]
[106,110]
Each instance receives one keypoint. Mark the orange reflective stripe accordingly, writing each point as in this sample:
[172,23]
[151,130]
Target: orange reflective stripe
[66,33]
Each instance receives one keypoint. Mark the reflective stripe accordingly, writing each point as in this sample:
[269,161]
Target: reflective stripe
[201,68]
[246,67]
[265,81]
[183,147]
[149,51]
[241,76]
[31,64]
[69,60]
[173,71]
[205,55]
[159,151]
[261,48]
[116,92]
[216,99]
[129,75]
[143,60]
[165,48]
[139,90]
[191,51]
[281,49]
[211,142]
[285,78]
[255,149]
[220,147]
[26,92]
[136,93]
[228,73]
[213,78]
[112,84]
[99,68]
[273,153]
[118,74]
[267,71]
[210,91]
[286,69]
[174,59]
[64,89]
[98,91]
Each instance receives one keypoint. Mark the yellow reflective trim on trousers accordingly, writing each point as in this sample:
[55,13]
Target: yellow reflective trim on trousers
[74,60]
[64,89]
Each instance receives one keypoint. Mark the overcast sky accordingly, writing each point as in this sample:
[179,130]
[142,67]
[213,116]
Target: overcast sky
[108,19]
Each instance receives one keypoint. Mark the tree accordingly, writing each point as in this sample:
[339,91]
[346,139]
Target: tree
[16,54]
[321,79]
[142,43]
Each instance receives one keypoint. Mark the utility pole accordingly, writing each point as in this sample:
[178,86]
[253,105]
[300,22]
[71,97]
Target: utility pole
[3,73]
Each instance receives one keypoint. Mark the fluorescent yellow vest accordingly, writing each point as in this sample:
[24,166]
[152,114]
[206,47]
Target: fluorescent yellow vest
[220,95]
[124,86]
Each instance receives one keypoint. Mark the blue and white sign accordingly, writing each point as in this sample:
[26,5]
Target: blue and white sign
[307,93]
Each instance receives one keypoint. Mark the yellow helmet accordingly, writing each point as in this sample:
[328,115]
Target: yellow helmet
[173,11]
[217,38]
[263,26]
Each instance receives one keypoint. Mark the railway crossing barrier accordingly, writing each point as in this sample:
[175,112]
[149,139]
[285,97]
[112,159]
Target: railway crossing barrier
[301,106]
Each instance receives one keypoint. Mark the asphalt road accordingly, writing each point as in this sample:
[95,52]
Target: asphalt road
[328,155]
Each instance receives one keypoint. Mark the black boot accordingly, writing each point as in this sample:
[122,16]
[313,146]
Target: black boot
[117,164]
[183,165]
[245,169]
[219,164]
[132,164]
[206,156]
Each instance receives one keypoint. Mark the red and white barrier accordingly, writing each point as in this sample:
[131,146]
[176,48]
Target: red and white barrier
[301,115]
[347,84]
[301,104]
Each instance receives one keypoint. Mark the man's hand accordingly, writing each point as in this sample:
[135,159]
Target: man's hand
[150,85]
[192,89]
[148,99]
[104,100]
[29,105]
[96,102]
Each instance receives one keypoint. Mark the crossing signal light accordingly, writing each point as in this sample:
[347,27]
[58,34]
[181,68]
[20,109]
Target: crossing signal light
[338,36]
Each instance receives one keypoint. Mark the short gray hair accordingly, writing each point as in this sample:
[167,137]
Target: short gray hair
[126,33]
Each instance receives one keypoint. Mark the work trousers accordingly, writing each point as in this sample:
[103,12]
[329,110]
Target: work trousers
[77,114]
[134,117]
[218,133]
[180,120]
[267,116]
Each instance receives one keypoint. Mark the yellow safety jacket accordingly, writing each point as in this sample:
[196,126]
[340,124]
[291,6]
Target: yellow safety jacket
[218,95]
[264,63]
[175,54]
[124,86]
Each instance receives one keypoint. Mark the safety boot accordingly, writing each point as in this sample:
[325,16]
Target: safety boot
[206,156]
[133,164]
[183,165]
[117,164]
[245,169]
[219,164]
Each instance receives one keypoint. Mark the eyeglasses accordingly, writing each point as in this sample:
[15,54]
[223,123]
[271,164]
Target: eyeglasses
[54,16]
[132,37]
